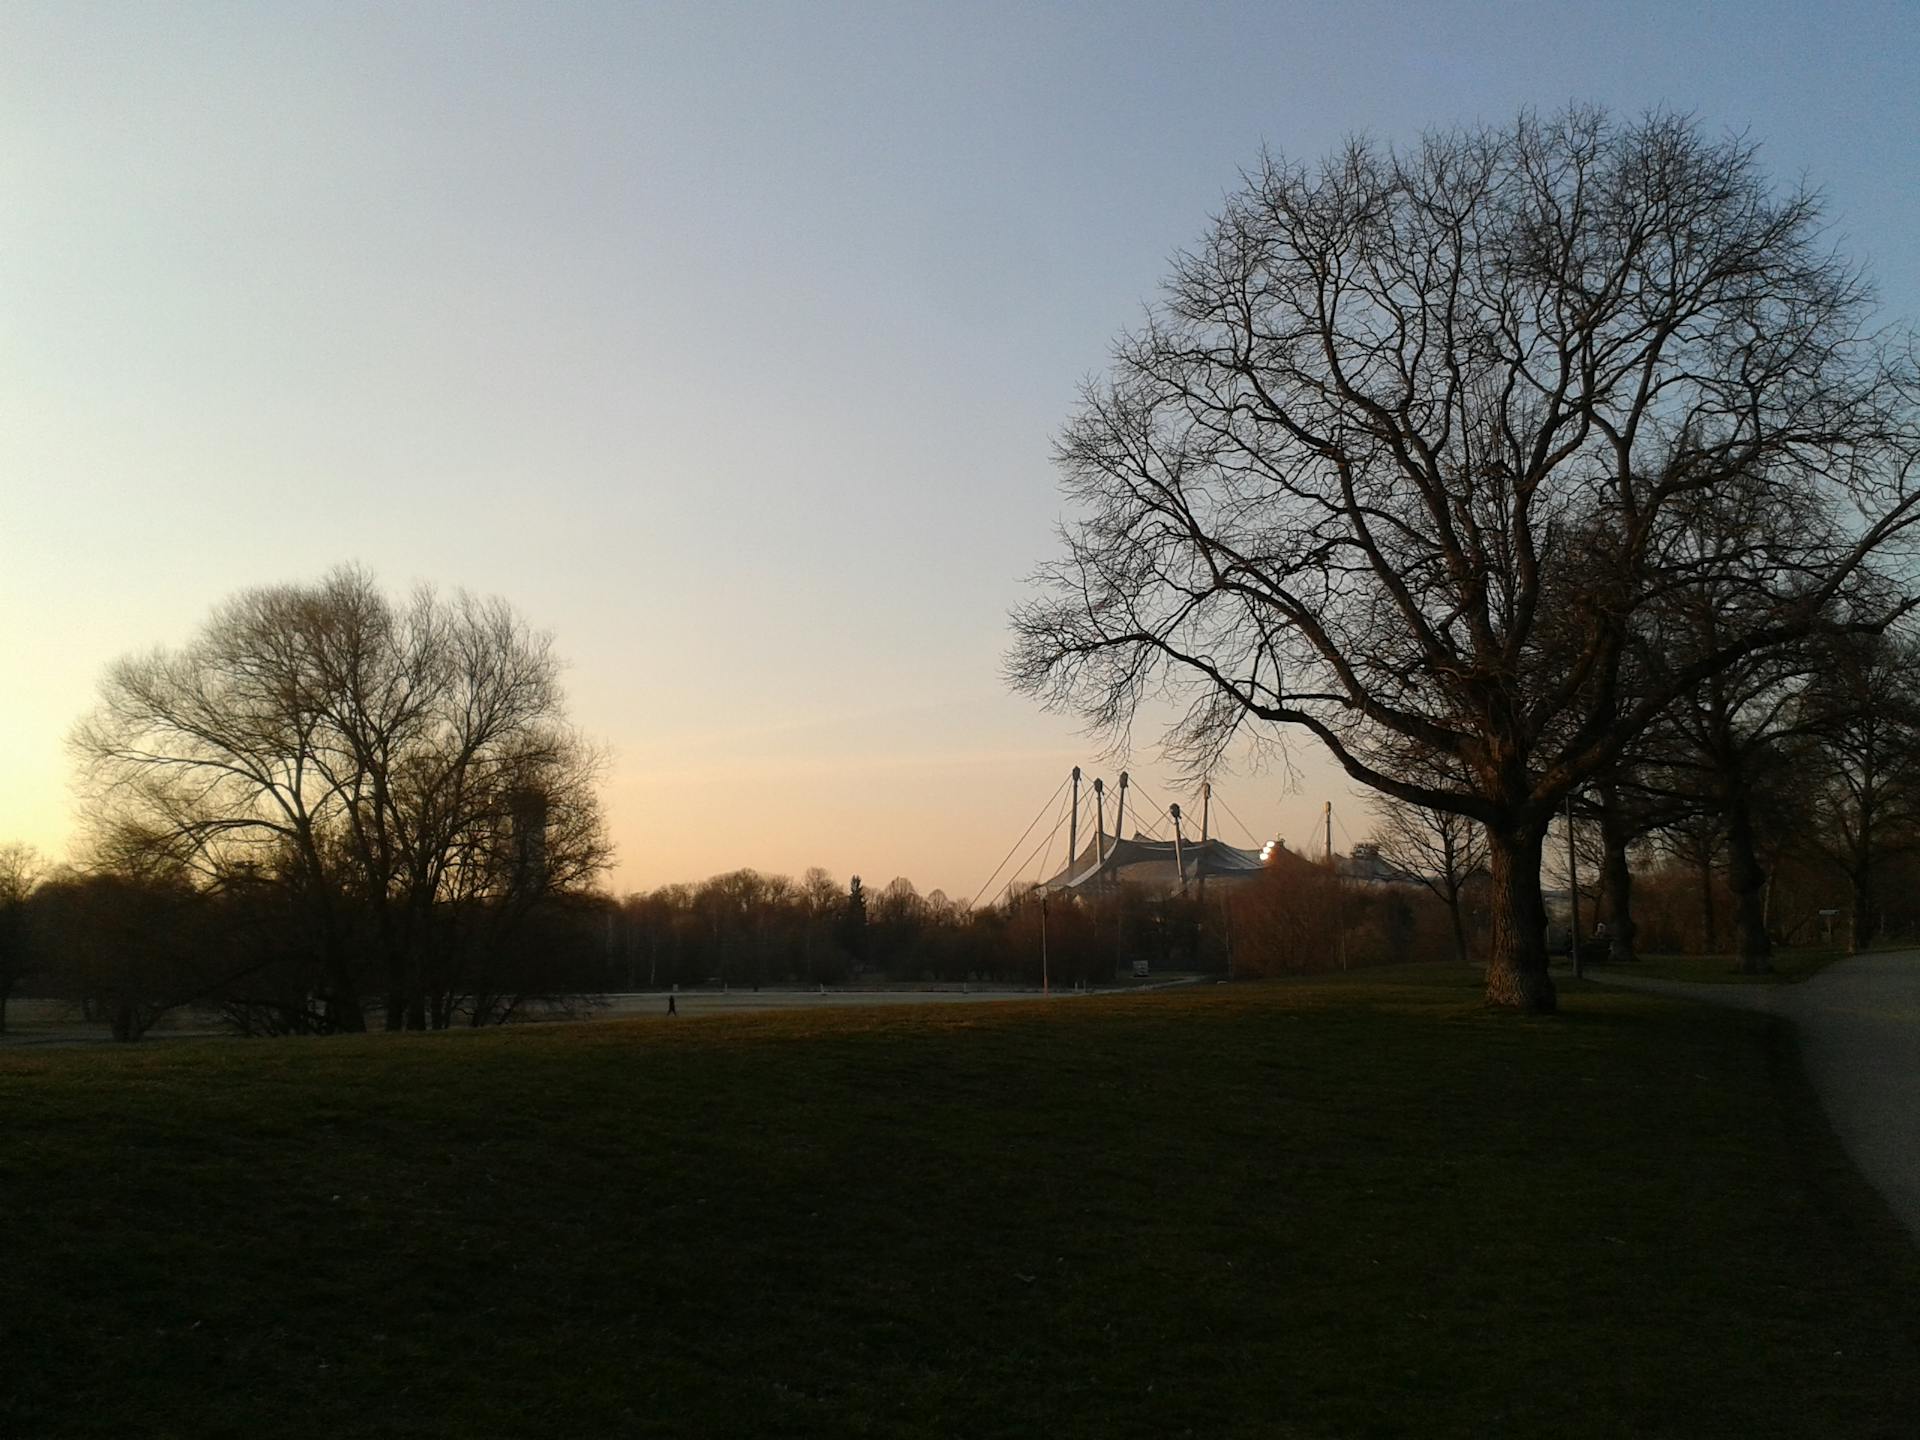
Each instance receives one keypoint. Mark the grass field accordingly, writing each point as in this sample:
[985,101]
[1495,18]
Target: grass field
[1789,967]
[1358,1207]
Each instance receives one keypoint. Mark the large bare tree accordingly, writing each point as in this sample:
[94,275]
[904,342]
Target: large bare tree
[1419,446]
[403,772]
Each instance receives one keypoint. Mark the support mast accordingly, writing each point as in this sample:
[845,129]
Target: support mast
[1073,825]
[1179,858]
[1100,822]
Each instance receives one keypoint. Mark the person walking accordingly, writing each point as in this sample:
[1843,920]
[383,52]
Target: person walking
[672,1007]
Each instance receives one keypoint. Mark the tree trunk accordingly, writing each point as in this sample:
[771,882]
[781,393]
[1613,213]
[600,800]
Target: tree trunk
[1709,926]
[1616,880]
[1517,962]
[1459,927]
[344,1014]
[1866,909]
[396,999]
[339,961]
[1748,880]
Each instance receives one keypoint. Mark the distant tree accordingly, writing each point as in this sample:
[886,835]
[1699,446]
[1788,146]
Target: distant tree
[404,773]
[1862,703]
[20,872]
[727,906]
[1420,447]
[1290,918]
[660,922]
[853,924]
[823,959]
[1694,839]
[1624,815]
[1441,848]
[1737,751]
[895,928]
[130,946]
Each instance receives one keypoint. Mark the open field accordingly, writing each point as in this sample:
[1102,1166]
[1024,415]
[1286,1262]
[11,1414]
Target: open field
[743,1001]
[1358,1206]
[56,1022]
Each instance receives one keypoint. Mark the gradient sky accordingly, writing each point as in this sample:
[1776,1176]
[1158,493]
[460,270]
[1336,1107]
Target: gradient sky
[727,342]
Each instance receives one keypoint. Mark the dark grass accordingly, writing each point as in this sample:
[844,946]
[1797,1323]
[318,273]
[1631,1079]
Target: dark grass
[1789,967]
[1331,1208]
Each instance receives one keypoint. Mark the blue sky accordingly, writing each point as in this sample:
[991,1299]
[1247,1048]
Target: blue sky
[728,342]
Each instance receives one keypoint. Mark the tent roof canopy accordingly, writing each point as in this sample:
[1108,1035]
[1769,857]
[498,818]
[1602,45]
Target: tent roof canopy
[1150,864]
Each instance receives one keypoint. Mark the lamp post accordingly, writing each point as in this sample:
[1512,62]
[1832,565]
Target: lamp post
[1573,891]
[1044,988]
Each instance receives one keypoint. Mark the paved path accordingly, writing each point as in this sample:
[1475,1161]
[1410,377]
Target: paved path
[735,1002]
[1859,1028]
[46,1024]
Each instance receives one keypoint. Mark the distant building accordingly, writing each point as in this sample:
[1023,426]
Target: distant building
[1367,866]
[1150,865]
[527,828]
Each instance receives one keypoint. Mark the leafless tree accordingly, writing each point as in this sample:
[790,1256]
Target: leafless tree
[404,772]
[1443,848]
[1729,757]
[20,872]
[1624,815]
[1415,450]
[820,901]
[1863,705]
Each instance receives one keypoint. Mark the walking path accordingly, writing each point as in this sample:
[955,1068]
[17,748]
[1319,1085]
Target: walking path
[1859,1028]
[48,1024]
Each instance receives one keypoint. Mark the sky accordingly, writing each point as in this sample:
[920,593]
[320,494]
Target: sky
[727,342]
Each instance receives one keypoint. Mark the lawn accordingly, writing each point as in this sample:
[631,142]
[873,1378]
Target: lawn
[1789,967]
[1353,1207]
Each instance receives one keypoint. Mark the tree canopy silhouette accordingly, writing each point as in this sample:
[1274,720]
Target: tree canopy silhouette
[1426,448]
[401,774]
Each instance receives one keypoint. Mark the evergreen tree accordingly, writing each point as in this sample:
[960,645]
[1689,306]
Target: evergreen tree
[853,924]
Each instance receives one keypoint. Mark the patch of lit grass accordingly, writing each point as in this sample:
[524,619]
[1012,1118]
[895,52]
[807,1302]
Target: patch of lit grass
[1340,1207]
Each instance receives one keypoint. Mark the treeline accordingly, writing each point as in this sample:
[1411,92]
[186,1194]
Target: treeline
[122,950]
[746,929]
